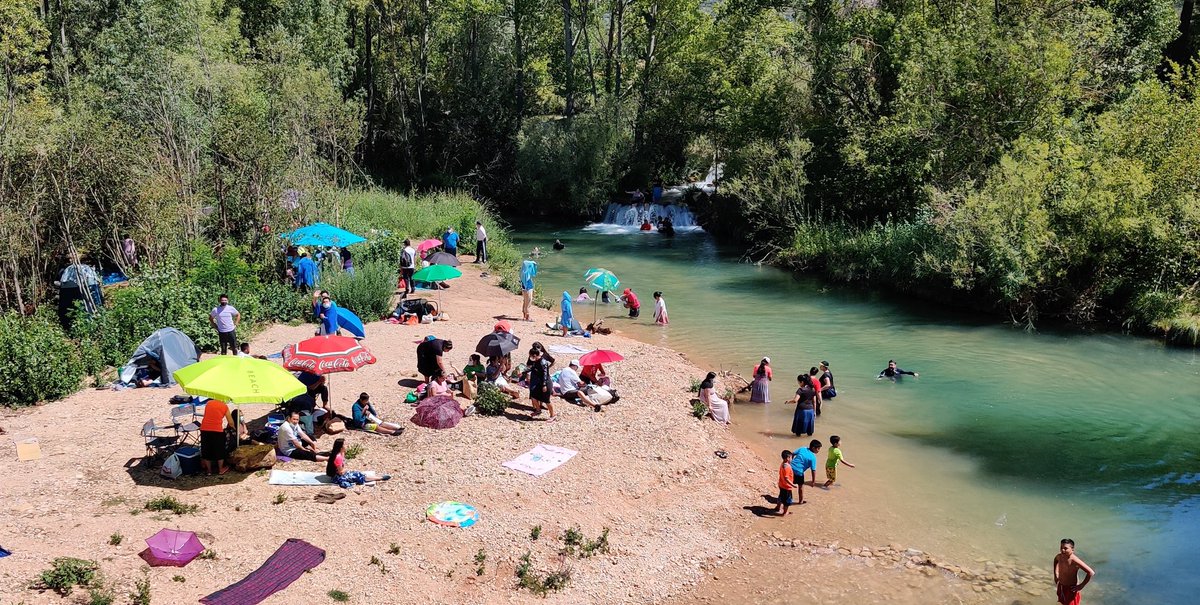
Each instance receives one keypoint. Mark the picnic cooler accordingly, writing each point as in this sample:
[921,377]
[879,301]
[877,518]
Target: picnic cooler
[189,460]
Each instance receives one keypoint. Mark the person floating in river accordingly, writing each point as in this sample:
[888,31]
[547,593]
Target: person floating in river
[893,372]
[558,245]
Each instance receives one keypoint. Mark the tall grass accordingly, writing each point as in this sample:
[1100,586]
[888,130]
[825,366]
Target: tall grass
[368,292]
[386,219]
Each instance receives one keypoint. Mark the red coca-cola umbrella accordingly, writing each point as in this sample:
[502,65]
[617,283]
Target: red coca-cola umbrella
[326,355]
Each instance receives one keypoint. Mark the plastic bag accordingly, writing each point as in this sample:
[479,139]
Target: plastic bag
[171,469]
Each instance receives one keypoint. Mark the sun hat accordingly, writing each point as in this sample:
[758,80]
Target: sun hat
[767,359]
[574,363]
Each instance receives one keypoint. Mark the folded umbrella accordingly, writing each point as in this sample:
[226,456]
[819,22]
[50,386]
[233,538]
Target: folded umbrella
[497,344]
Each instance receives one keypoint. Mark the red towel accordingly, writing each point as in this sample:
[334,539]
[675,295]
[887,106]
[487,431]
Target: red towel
[289,562]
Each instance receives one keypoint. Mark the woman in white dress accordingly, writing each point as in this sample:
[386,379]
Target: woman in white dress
[717,408]
[660,309]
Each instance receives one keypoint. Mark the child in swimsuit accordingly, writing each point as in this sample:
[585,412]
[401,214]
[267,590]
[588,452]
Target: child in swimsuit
[1066,573]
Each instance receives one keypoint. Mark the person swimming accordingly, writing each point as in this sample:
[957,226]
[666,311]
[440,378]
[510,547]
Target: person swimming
[893,372]
[646,225]
[558,245]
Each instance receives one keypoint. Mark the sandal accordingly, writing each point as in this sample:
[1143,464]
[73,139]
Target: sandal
[721,454]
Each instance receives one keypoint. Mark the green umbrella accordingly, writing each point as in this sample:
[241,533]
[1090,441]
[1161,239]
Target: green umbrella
[600,279]
[437,273]
[239,380]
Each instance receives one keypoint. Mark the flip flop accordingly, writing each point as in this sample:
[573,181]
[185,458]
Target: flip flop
[721,454]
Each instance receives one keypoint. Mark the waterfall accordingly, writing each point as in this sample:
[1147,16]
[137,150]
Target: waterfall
[634,214]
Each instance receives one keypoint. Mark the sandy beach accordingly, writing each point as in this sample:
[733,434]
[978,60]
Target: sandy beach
[680,528]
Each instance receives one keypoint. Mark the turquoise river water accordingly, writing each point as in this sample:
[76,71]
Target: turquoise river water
[1007,441]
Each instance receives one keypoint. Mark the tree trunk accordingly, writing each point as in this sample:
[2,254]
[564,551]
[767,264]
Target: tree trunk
[651,17]
[619,54]
[519,52]
[1180,50]
[424,61]
[568,59]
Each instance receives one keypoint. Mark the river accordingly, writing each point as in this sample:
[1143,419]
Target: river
[1008,440]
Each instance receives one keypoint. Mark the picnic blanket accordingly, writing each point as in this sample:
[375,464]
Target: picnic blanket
[309,478]
[289,562]
[540,460]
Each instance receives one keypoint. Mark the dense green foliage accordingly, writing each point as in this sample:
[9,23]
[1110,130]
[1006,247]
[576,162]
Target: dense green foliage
[368,293]
[1032,157]
[37,360]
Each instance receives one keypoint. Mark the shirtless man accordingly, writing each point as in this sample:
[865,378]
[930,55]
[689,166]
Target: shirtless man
[1066,573]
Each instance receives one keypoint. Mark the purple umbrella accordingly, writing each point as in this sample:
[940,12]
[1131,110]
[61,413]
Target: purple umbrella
[170,547]
[441,412]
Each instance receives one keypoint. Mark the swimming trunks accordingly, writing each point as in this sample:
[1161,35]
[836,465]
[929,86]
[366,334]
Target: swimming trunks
[1068,595]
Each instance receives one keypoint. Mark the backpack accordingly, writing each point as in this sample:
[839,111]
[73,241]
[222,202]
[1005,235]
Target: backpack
[406,259]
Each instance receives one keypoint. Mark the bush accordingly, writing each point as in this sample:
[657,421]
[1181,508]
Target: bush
[66,573]
[37,359]
[368,292]
[169,503]
[490,401]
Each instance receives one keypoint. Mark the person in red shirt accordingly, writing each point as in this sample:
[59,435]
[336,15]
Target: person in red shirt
[814,376]
[212,436]
[787,483]
[631,303]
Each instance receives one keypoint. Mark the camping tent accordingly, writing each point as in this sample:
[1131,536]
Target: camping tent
[78,283]
[172,348]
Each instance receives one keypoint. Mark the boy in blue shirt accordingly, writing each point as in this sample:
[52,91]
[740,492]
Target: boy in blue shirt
[805,459]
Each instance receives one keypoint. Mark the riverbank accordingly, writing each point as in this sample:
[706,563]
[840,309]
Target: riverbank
[645,470]
[679,526]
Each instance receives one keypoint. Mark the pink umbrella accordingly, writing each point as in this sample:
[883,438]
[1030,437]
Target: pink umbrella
[600,356]
[441,412]
[427,244]
[171,547]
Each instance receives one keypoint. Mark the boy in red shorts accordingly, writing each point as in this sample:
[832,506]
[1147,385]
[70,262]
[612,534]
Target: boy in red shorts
[1066,573]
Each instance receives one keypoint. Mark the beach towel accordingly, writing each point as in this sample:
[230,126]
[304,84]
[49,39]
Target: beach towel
[289,562]
[568,349]
[307,478]
[540,460]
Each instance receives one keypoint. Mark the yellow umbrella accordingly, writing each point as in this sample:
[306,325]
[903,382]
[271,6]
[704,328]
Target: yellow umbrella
[239,380]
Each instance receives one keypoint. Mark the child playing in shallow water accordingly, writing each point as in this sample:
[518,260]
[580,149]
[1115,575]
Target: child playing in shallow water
[835,456]
[787,483]
[1066,573]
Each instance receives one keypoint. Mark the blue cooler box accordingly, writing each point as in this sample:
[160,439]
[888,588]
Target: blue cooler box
[189,459]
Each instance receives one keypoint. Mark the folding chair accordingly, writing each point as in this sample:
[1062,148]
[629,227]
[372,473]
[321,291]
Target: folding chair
[186,424]
[160,439]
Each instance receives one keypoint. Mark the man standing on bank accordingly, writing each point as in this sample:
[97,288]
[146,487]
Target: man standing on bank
[225,318]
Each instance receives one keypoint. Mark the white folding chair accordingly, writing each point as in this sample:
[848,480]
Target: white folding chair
[186,423]
[160,439]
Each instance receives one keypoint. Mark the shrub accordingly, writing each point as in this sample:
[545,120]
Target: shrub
[101,596]
[490,401]
[169,503]
[66,573]
[537,583]
[354,451]
[699,410]
[340,596]
[37,359]
[368,292]
[141,592]
[115,539]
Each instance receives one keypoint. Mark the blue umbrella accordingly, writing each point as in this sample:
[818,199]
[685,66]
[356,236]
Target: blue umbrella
[350,322]
[323,234]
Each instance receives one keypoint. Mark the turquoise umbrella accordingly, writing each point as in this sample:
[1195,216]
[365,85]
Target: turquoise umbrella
[603,280]
[323,234]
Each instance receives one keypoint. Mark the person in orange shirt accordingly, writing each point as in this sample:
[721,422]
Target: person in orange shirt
[212,436]
[787,483]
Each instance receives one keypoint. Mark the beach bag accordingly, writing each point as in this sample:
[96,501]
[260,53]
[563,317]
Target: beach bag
[252,457]
[333,426]
[411,397]
[468,389]
[172,468]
